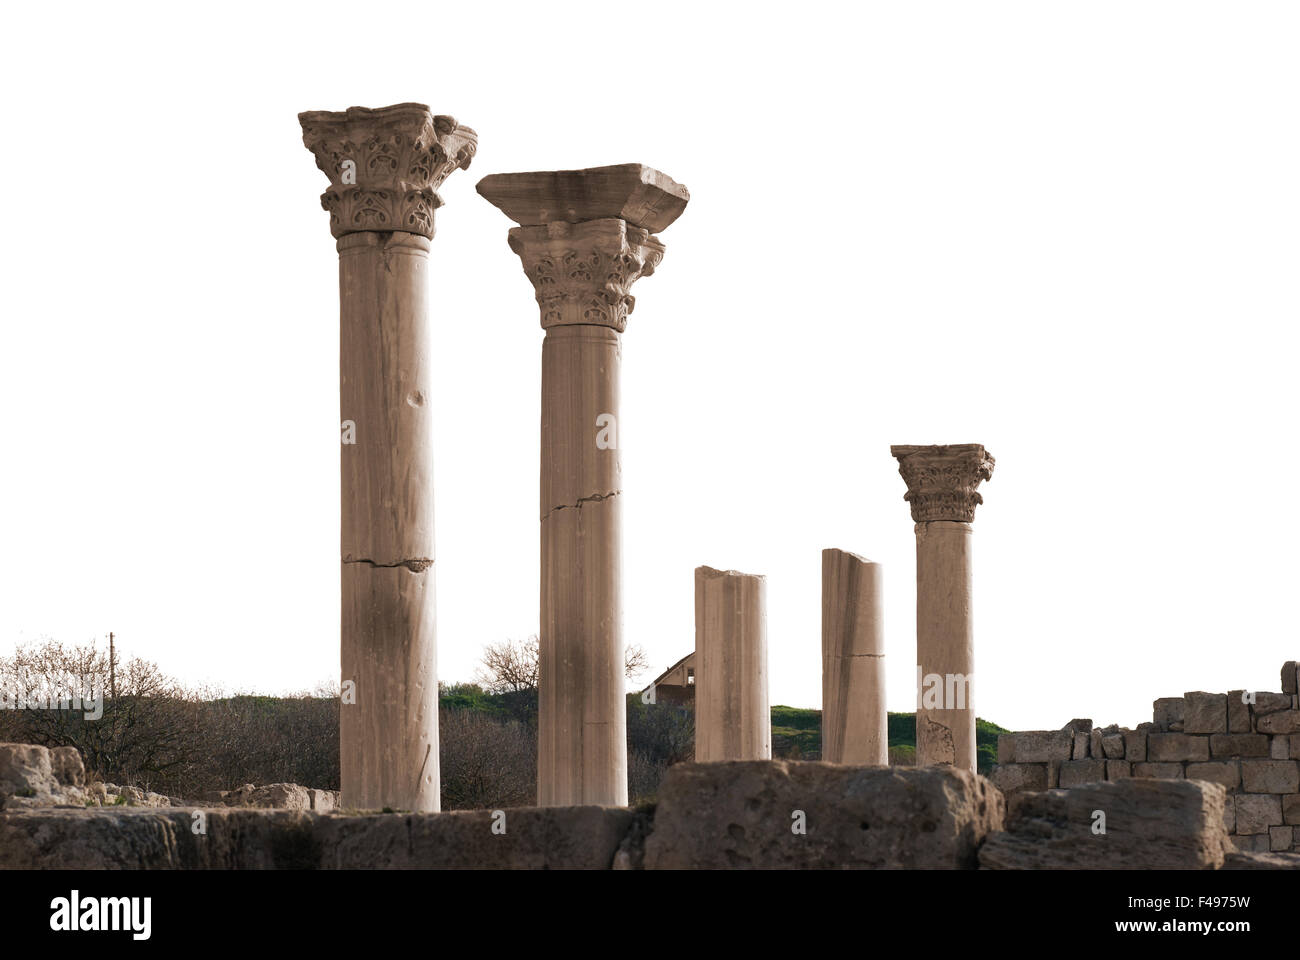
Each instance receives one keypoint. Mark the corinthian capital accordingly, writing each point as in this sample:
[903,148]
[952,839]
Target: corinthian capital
[582,272]
[942,480]
[385,165]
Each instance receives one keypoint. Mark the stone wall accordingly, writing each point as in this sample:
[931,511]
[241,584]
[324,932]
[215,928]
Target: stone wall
[1247,741]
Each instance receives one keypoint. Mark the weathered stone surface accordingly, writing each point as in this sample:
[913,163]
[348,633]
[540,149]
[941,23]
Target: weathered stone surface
[1238,712]
[1079,726]
[1167,713]
[1291,809]
[1135,742]
[1077,772]
[1161,771]
[740,815]
[1280,748]
[1291,677]
[1223,772]
[1095,748]
[67,766]
[1252,843]
[1270,776]
[1256,812]
[25,770]
[1081,743]
[1150,824]
[535,838]
[1006,748]
[1288,721]
[278,796]
[1242,860]
[1118,769]
[118,838]
[1205,712]
[1230,814]
[1172,747]
[1280,838]
[1112,744]
[1054,773]
[855,726]
[1040,746]
[642,196]
[1225,745]
[1266,703]
[1014,777]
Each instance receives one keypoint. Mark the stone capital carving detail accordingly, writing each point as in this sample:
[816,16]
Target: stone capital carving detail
[942,480]
[582,272]
[385,165]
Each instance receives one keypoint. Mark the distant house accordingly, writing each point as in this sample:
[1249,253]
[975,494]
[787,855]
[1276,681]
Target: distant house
[676,685]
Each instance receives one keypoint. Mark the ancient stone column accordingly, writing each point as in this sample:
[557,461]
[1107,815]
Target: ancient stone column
[732,718]
[384,167]
[941,487]
[584,237]
[855,727]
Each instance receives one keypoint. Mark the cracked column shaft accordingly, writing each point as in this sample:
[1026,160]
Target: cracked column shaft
[855,727]
[941,487]
[384,167]
[584,237]
[732,718]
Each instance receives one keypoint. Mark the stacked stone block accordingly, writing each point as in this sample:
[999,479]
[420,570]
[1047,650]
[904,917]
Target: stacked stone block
[1248,741]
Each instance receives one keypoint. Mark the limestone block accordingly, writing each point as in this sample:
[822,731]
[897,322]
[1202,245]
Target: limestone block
[1150,824]
[1081,744]
[1224,772]
[1095,748]
[1238,745]
[1252,843]
[67,766]
[1041,746]
[1079,726]
[741,814]
[1280,838]
[1006,748]
[1291,809]
[1014,777]
[1266,703]
[1167,713]
[1054,773]
[1288,721]
[1205,712]
[1295,746]
[1112,744]
[1135,742]
[1160,771]
[1171,747]
[1256,812]
[1238,712]
[1118,769]
[1270,776]
[1250,860]
[1291,677]
[1280,748]
[1230,815]
[1077,772]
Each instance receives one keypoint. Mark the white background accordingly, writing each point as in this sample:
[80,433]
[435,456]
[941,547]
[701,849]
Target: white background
[1069,232]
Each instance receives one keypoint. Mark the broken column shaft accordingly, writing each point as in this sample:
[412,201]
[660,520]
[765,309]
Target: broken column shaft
[941,487]
[732,718]
[384,167]
[854,723]
[584,237]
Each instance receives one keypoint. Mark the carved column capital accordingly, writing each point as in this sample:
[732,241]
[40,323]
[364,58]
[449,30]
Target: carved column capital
[942,480]
[582,272]
[385,165]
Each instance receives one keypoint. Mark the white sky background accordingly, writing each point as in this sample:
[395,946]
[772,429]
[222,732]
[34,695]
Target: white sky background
[1069,232]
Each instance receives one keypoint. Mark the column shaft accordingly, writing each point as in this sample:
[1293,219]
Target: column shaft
[945,645]
[733,720]
[855,726]
[389,736]
[582,716]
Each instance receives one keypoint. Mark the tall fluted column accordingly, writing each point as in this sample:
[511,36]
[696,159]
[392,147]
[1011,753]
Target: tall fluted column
[384,167]
[733,720]
[855,727]
[941,487]
[584,237]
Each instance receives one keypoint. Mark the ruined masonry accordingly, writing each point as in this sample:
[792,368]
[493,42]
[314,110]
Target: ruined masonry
[1247,741]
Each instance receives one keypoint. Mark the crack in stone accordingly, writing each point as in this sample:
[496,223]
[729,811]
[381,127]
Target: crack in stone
[594,498]
[415,565]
